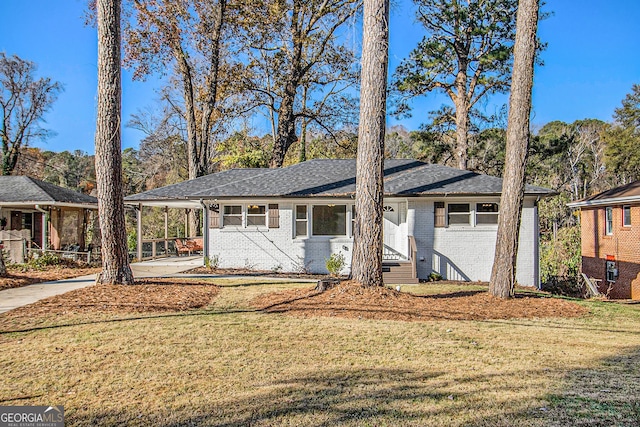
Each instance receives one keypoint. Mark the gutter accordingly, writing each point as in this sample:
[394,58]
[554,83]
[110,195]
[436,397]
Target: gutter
[603,202]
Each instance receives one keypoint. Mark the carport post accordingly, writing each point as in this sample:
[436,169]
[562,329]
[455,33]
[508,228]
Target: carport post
[166,230]
[205,231]
[139,244]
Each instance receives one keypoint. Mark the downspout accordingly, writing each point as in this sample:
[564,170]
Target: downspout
[45,226]
[205,232]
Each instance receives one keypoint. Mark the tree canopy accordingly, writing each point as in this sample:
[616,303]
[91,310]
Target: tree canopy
[467,54]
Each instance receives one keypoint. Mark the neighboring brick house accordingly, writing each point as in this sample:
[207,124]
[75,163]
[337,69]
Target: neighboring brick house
[610,224]
[436,219]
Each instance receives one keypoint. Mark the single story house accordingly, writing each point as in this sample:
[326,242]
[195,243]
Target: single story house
[50,217]
[610,232]
[436,219]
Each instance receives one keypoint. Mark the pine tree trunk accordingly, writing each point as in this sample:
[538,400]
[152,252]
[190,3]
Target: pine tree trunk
[462,130]
[503,274]
[115,261]
[366,264]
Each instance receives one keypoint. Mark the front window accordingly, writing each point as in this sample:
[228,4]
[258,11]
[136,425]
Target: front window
[329,220]
[486,213]
[233,215]
[626,216]
[459,214]
[301,221]
[256,215]
[608,221]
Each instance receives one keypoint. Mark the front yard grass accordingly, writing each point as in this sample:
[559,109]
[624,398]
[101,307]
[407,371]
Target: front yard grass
[231,365]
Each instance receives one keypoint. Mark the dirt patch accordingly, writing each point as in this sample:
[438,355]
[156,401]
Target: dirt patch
[146,295]
[351,300]
[18,276]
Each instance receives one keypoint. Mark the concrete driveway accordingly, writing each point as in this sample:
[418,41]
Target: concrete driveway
[17,297]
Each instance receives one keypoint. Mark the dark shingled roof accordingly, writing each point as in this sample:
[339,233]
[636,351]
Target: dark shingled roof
[23,189]
[332,178]
[628,192]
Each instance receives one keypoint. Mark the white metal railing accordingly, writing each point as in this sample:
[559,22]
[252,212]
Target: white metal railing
[390,254]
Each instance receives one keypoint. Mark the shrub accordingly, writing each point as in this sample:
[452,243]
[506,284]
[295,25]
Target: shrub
[44,259]
[560,260]
[434,277]
[335,263]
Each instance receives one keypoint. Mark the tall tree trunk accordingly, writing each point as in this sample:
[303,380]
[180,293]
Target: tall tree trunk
[462,132]
[115,260]
[286,133]
[503,274]
[366,264]
[303,129]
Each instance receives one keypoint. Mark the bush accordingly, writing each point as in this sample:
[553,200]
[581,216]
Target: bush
[560,261]
[335,263]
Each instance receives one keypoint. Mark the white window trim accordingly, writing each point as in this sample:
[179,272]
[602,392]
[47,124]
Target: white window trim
[244,215]
[310,206]
[471,212]
[247,215]
[296,220]
[608,221]
[485,213]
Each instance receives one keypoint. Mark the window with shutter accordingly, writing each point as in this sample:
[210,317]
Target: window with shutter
[274,216]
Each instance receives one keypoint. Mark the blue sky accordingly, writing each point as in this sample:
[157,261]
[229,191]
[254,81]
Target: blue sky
[591,63]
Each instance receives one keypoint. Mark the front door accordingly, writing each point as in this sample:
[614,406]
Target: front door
[391,224]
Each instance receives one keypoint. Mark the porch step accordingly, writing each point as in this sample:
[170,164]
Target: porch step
[398,272]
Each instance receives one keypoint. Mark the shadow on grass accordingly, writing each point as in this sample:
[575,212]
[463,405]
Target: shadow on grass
[606,395]
[360,397]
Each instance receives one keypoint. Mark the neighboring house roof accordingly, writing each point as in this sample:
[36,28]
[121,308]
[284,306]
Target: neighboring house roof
[623,194]
[20,190]
[331,178]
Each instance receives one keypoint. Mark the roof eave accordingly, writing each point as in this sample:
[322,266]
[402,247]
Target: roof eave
[604,202]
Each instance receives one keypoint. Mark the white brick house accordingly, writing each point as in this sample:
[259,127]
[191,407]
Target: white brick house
[437,219]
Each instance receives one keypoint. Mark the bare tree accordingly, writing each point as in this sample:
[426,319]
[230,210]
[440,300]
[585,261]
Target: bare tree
[503,274]
[293,47]
[23,103]
[115,259]
[366,264]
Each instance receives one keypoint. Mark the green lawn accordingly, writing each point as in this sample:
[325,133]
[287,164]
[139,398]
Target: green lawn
[231,366]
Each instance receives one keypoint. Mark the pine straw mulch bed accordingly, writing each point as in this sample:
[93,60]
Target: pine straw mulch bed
[20,276]
[144,296]
[351,300]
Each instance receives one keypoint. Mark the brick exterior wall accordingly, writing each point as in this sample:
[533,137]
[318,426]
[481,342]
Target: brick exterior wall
[622,246]
[457,253]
